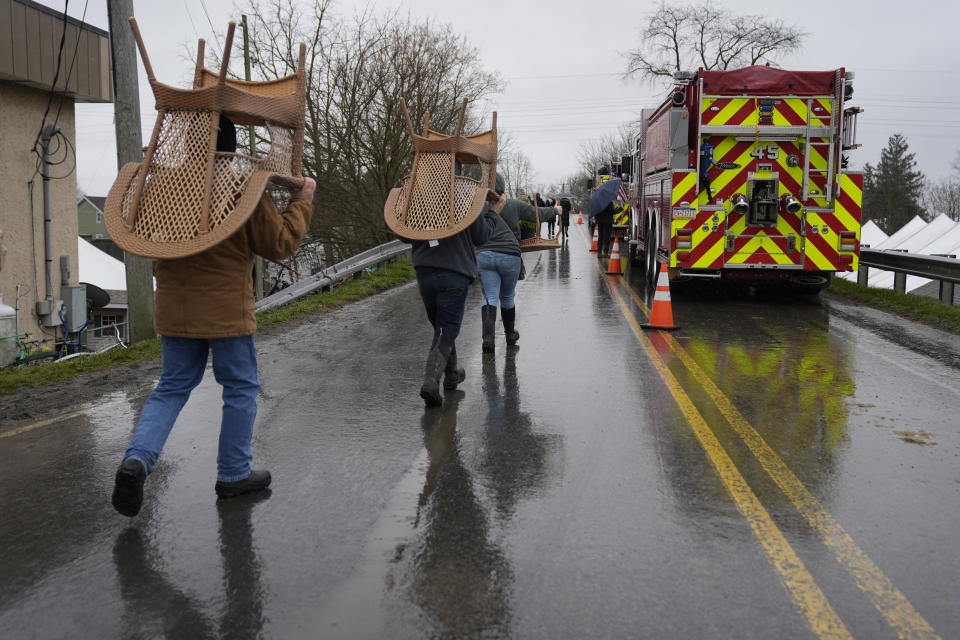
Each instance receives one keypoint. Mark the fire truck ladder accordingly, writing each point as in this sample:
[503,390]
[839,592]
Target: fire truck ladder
[816,133]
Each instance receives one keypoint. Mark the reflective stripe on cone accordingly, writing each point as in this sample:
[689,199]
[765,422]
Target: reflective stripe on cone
[661,314]
[613,269]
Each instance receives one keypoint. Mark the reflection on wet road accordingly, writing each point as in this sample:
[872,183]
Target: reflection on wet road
[776,467]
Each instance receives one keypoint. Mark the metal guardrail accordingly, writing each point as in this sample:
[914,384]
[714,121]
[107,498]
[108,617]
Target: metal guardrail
[325,279]
[944,269]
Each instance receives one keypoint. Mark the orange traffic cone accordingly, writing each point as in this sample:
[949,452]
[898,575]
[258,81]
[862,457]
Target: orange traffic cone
[661,315]
[579,218]
[613,269]
[596,239]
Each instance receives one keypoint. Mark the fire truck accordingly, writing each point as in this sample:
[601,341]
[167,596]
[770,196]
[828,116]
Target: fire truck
[742,175]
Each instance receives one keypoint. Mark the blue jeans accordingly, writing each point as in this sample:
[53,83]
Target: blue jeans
[184,361]
[444,295]
[498,273]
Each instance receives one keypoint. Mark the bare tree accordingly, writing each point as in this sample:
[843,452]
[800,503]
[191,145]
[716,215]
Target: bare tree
[943,197]
[513,165]
[356,144]
[610,147]
[679,38]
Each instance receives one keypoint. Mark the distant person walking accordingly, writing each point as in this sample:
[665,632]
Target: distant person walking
[565,208]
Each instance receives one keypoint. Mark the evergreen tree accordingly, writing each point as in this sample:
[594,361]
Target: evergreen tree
[892,190]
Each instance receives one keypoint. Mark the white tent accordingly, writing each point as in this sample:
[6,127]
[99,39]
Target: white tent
[871,235]
[917,243]
[100,268]
[904,232]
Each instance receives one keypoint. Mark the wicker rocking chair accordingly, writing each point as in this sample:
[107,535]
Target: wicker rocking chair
[185,196]
[433,201]
[536,243]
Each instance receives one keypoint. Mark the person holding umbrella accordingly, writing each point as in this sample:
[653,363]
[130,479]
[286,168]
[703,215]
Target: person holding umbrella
[602,211]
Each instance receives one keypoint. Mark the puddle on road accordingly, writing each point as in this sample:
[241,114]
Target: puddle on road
[354,610]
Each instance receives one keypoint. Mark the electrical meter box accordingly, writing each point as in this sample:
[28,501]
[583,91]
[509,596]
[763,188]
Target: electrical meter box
[74,306]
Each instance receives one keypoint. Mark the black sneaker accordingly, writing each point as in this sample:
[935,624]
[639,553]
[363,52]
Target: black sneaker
[128,487]
[256,481]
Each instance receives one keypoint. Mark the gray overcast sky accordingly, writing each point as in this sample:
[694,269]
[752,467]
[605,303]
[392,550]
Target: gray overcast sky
[562,62]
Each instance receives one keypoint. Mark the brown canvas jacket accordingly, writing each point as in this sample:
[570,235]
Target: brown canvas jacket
[210,295]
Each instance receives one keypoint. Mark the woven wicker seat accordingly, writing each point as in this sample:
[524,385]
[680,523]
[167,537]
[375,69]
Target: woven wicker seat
[536,243]
[433,201]
[185,196]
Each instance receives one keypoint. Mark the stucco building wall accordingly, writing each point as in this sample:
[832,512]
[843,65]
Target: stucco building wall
[21,204]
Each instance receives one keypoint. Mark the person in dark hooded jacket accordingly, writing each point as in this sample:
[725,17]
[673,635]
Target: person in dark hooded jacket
[445,269]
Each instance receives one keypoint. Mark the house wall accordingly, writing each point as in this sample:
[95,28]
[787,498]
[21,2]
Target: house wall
[88,225]
[21,205]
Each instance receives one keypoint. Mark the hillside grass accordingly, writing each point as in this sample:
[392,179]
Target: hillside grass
[362,285]
[920,308]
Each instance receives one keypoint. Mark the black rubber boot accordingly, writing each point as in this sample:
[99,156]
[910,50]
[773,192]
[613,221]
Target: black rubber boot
[509,316]
[453,375]
[488,314]
[436,364]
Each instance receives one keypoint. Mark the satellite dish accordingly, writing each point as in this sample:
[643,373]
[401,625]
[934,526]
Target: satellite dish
[96,297]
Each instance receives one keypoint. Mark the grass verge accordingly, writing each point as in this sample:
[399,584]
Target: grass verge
[392,275]
[920,308]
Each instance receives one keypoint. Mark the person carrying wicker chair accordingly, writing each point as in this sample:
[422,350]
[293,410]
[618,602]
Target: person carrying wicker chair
[499,263]
[204,303]
[445,269]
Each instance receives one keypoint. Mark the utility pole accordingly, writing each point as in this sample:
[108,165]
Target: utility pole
[126,115]
[258,261]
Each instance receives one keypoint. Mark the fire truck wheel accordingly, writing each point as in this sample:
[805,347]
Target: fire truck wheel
[652,249]
[812,283]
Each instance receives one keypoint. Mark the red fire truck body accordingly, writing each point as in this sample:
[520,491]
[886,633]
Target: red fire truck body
[742,175]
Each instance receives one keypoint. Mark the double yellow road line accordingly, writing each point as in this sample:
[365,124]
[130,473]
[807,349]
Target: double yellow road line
[810,600]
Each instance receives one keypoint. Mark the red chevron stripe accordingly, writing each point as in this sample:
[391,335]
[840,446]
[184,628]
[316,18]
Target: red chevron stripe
[733,186]
[851,207]
[793,220]
[742,113]
[741,241]
[832,222]
[706,244]
[708,116]
[694,223]
[828,252]
[760,256]
[735,151]
[789,114]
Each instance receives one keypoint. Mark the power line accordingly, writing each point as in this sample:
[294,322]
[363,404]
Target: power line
[216,38]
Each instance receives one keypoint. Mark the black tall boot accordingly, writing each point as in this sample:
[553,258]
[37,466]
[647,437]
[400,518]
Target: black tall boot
[453,375]
[509,316]
[488,314]
[436,364]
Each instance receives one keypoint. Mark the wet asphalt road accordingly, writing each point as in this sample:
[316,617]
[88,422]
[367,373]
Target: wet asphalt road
[775,468]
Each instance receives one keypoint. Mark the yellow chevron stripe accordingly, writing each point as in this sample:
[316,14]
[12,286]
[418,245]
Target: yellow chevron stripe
[731,109]
[757,243]
[715,252]
[851,189]
[688,183]
[798,106]
[813,254]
